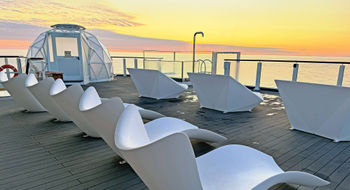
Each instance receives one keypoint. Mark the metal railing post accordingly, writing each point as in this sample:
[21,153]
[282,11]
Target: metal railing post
[7,70]
[135,63]
[295,72]
[124,67]
[214,63]
[258,76]
[227,67]
[182,71]
[340,75]
[19,65]
[237,65]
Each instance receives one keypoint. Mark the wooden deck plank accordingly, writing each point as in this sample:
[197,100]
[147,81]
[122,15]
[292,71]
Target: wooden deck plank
[36,153]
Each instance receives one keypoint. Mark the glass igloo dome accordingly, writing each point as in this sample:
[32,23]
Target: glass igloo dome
[78,54]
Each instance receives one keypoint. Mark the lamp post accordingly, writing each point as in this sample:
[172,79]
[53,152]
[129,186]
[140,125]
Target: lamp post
[194,48]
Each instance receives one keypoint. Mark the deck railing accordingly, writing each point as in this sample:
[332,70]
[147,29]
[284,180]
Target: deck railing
[15,61]
[179,68]
[227,63]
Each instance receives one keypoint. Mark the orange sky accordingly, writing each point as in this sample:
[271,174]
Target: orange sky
[312,27]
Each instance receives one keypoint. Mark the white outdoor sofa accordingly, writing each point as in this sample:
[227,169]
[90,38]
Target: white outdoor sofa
[41,91]
[68,100]
[154,84]
[223,93]
[16,88]
[104,115]
[316,108]
[169,162]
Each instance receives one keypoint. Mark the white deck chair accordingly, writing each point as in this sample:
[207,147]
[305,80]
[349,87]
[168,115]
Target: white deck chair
[154,84]
[104,115]
[22,96]
[41,92]
[68,100]
[318,109]
[169,163]
[223,93]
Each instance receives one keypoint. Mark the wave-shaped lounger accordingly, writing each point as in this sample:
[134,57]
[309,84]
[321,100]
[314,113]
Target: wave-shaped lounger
[223,93]
[154,84]
[169,162]
[68,100]
[316,108]
[104,115]
[41,91]
[22,96]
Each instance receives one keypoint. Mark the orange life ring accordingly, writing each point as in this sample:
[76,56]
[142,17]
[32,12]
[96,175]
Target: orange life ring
[9,67]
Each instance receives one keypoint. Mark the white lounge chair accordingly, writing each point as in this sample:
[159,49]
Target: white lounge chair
[169,163]
[68,100]
[16,88]
[41,91]
[104,115]
[223,93]
[154,84]
[318,109]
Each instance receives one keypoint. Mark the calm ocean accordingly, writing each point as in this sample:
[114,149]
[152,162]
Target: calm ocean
[313,72]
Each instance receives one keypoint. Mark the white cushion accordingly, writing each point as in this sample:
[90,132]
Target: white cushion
[3,77]
[31,80]
[130,131]
[89,99]
[57,87]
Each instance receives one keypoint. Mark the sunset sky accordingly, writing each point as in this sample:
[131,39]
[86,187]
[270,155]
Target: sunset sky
[297,27]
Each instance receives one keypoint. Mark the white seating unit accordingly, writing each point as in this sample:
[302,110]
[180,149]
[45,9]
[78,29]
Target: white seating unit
[104,115]
[154,84]
[318,109]
[22,96]
[68,100]
[223,93]
[169,162]
[41,91]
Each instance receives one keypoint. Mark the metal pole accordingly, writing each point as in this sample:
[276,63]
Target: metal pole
[43,69]
[340,75]
[295,72]
[135,63]
[7,70]
[19,65]
[258,76]
[227,68]
[194,48]
[237,65]
[182,71]
[214,62]
[124,67]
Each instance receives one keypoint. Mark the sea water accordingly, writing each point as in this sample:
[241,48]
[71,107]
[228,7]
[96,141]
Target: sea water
[171,64]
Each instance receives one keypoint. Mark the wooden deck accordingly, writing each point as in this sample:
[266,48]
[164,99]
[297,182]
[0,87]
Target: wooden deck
[36,153]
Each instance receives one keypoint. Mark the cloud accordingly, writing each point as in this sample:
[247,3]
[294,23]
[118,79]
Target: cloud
[89,13]
[115,41]
[11,35]
[24,32]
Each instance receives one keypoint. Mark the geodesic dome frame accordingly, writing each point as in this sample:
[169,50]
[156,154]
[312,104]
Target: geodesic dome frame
[95,58]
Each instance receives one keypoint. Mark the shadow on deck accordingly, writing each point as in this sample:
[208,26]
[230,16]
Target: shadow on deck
[40,154]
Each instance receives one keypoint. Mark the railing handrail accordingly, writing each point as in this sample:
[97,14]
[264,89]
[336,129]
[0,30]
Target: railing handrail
[134,57]
[11,56]
[288,61]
